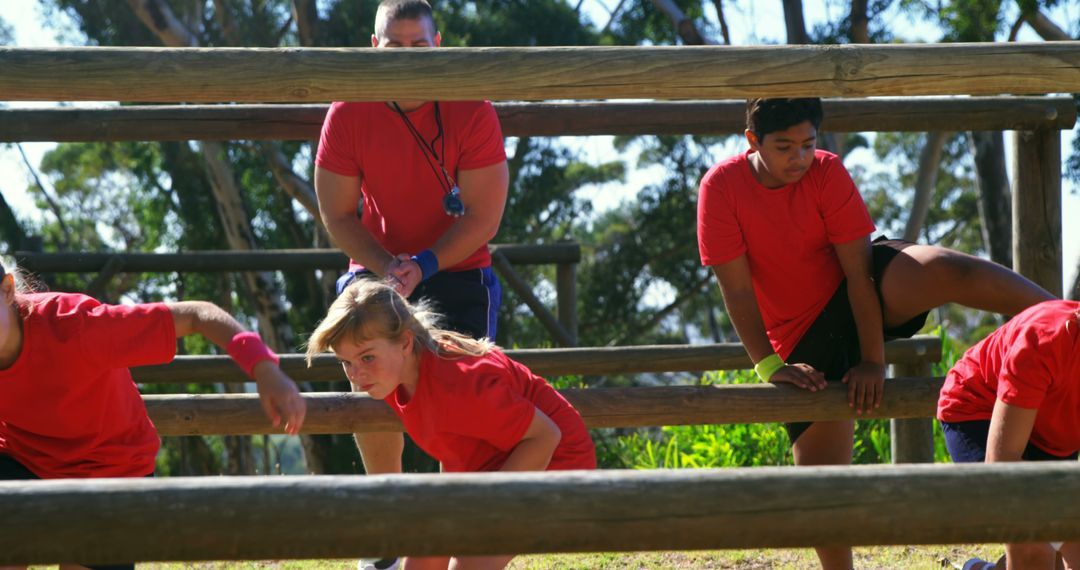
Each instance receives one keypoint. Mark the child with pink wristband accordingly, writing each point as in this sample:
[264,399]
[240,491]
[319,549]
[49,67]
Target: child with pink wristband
[68,405]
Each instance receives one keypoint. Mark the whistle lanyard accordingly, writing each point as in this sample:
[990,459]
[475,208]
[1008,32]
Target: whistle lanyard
[452,203]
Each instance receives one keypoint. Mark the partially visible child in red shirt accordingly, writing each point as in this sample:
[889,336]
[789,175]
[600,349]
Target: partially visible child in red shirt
[68,405]
[1016,396]
[813,300]
[462,400]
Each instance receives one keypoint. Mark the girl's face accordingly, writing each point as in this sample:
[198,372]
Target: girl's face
[378,366]
[785,155]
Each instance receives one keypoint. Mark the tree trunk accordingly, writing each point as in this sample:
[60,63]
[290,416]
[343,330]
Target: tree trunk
[1074,293]
[11,229]
[795,23]
[684,26]
[1045,27]
[719,4]
[860,22]
[995,200]
[261,287]
[929,159]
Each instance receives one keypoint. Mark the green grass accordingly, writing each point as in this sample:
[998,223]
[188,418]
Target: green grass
[898,557]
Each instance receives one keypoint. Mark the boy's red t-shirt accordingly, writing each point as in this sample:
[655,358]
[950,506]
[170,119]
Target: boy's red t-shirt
[470,412]
[403,194]
[68,405]
[788,236]
[1032,361]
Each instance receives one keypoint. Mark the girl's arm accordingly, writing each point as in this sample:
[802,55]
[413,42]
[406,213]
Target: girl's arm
[278,394]
[866,380]
[534,451]
[1010,430]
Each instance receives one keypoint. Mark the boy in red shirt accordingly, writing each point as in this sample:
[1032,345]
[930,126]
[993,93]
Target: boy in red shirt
[461,400]
[68,405]
[1016,396]
[787,235]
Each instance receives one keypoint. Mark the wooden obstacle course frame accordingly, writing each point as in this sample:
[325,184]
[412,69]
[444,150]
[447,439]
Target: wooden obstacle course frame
[258,518]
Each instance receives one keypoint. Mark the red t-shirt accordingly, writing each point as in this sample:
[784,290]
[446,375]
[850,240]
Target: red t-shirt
[470,412]
[403,195]
[1032,361]
[787,235]
[68,405]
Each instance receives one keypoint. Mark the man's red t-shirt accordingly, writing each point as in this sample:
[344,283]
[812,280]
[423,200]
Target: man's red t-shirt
[68,405]
[470,412]
[1032,361]
[787,235]
[403,190]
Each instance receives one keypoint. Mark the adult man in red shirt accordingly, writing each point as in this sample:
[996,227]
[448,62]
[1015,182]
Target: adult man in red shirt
[430,182]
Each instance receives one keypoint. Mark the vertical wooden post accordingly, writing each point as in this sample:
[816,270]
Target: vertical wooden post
[912,438]
[566,291]
[1037,207]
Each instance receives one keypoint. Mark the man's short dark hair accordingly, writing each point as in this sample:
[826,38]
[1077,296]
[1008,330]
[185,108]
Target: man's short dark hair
[764,116]
[405,9]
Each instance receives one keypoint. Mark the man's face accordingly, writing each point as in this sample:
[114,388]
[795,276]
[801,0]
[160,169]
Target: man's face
[402,33]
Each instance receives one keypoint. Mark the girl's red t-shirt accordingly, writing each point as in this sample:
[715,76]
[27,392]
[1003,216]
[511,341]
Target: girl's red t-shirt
[68,405]
[1032,361]
[470,412]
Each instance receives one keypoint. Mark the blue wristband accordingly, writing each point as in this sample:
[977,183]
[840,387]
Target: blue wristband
[429,264]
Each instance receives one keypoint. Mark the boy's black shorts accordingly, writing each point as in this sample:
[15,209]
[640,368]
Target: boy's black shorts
[831,344]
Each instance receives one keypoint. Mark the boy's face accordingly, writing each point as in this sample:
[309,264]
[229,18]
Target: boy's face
[397,33]
[785,155]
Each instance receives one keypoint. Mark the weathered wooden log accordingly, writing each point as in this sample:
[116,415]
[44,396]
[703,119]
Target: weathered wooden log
[328,412]
[265,260]
[1037,246]
[912,438]
[255,518]
[303,122]
[547,362]
[284,75]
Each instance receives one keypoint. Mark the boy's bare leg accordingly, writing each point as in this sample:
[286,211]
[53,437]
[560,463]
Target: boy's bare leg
[923,277]
[380,451]
[1070,555]
[425,563]
[827,443]
[479,562]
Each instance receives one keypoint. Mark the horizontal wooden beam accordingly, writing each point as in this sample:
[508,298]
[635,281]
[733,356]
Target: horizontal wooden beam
[289,75]
[303,122]
[265,260]
[547,362]
[328,412]
[303,517]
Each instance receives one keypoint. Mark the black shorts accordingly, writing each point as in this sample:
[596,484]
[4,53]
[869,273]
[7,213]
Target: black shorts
[967,443]
[831,344]
[11,470]
[468,300]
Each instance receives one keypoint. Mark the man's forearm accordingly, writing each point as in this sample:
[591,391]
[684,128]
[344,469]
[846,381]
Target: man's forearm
[356,241]
[468,234]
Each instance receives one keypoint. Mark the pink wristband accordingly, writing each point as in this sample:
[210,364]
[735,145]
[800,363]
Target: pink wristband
[247,349]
